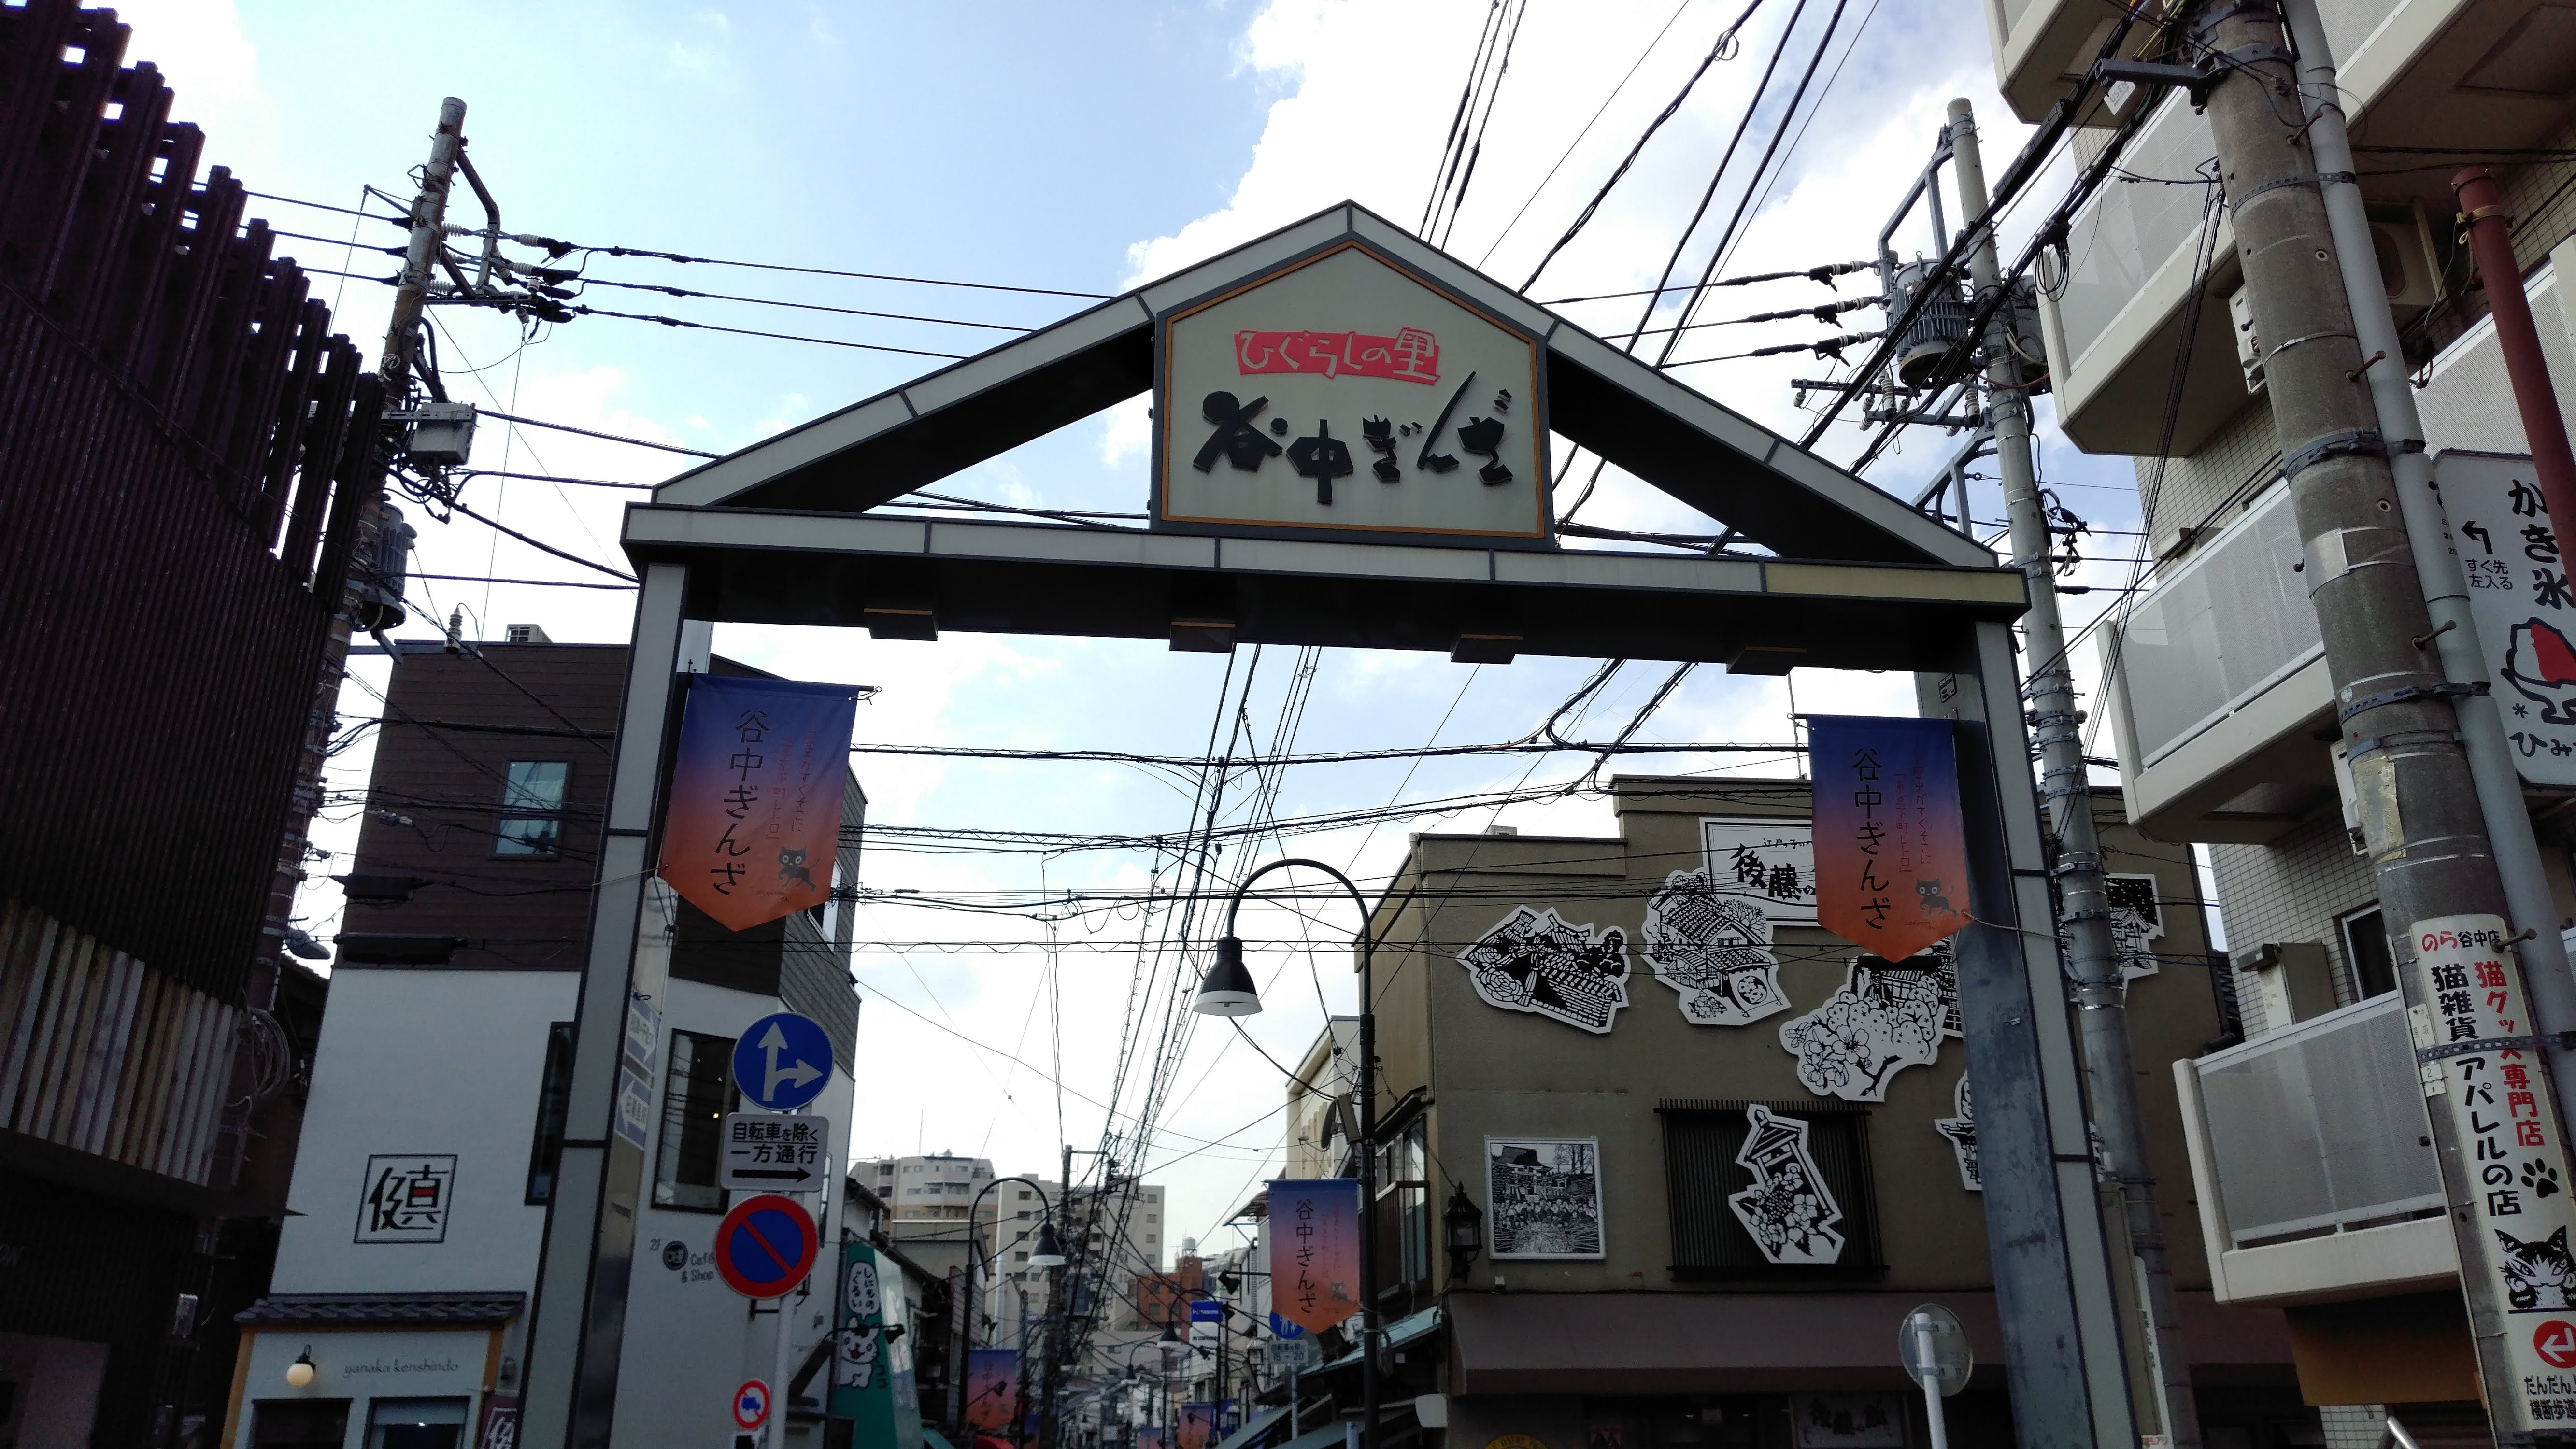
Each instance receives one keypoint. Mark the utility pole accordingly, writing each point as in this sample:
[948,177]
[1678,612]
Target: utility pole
[2446,587]
[2417,796]
[2101,991]
[428,220]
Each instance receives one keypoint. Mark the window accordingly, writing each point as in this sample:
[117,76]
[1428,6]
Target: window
[1700,1172]
[299,1423]
[554,1099]
[694,1098]
[532,802]
[2365,954]
[1404,1195]
[415,1424]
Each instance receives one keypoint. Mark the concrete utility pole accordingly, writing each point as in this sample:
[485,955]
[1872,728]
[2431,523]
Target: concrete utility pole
[2437,562]
[428,218]
[2401,728]
[2101,992]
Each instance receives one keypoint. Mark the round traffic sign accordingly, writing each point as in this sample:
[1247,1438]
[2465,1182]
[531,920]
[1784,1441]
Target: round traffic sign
[751,1404]
[1285,1329]
[2555,1342]
[783,1061]
[1934,1349]
[765,1246]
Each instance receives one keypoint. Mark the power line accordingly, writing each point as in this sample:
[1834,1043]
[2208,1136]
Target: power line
[549,244]
[801,306]
[595,433]
[1597,114]
[580,310]
[1824,274]
[536,543]
[1725,47]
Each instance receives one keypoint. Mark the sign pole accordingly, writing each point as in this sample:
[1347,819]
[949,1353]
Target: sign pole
[1927,1353]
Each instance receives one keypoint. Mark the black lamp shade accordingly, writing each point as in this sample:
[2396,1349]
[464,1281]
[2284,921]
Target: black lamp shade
[1227,989]
[1048,1253]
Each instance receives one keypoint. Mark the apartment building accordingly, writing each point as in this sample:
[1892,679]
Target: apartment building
[436,1114]
[2315,1189]
[1715,1152]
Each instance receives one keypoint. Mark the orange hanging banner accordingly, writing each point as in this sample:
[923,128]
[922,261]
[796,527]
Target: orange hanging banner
[754,808]
[1891,842]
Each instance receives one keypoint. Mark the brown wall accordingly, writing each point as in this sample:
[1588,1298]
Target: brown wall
[1489,1071]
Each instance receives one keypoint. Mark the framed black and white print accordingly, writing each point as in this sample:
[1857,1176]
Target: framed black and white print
[1544,1197]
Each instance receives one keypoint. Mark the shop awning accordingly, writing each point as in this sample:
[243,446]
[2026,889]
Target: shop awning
[1711,1343]
[1254,1428]
[1397,1334]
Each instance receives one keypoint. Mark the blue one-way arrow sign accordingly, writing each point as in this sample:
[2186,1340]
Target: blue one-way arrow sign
[782,1062]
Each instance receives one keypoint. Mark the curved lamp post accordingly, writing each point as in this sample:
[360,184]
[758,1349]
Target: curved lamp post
[1227,990]
[1046,1252]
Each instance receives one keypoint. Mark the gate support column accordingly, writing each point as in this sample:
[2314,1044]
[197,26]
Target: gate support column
[2052,1263]
[578,1320]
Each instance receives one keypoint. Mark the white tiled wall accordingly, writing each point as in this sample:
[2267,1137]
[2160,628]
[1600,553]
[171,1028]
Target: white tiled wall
[2354,1426]
[2290,890]
[2209,489]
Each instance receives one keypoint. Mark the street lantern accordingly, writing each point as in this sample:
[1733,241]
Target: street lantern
[1227,989]
[1463,1226]
[1048,1253]
[300,1372]
[1227,1281]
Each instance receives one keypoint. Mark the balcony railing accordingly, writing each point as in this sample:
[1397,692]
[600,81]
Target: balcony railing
[2318,1128]
[2217,682]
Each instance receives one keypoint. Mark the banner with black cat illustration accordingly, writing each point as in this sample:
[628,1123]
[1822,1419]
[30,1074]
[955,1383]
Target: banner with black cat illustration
[755,800]
[2504,1160]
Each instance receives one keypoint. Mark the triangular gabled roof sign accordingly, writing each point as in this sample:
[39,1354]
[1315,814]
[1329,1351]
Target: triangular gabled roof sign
[1767,489]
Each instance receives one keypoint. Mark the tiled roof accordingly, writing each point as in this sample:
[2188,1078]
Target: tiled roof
[375,1310]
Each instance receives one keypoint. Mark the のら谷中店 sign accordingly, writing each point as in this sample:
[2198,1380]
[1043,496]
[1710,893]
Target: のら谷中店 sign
[1341,394]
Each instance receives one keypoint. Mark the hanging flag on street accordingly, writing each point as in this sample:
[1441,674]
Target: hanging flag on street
[1891,843]
[992,1388]
[1315,1250]
[755,801]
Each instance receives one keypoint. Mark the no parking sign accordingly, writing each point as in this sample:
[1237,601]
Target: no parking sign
[765,1246]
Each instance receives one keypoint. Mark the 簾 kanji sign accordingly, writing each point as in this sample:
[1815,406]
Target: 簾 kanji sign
[755,804]
[2520,600]
[1891,846]
[2481,1065]
[1343,394]
[774,1152]
[1315,1250]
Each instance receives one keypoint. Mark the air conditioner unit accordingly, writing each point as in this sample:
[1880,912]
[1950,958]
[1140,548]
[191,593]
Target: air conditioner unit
[2406,275]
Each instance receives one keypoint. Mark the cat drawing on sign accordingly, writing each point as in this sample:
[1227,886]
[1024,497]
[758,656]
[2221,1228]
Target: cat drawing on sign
[1931,894]
[791,868]
[2539,1277]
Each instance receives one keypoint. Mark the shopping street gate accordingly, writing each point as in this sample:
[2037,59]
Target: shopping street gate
[1351,448]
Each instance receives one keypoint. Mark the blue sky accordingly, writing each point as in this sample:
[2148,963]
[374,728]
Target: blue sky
[1082,148]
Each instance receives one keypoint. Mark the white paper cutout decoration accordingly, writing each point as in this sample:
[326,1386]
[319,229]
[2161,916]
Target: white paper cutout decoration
[1962,1132]
[1537,961]
[1881,1020]
[2137,919]
[1788,1210]
[1713,947]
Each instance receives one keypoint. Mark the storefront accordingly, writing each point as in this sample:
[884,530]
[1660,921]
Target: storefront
[384,1371]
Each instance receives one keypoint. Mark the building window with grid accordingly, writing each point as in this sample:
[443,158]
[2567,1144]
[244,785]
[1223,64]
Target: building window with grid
[1404,1197]
[694,1097]
[532,806]
[1709,1243]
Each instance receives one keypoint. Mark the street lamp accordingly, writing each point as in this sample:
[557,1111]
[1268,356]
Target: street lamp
[1463,1226]
[1047,1252]
[1227,990]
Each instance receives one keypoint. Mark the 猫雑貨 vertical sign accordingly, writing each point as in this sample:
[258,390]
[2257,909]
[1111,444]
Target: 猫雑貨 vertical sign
[1343,394]
[2504,1168]
[1315,1250]
[755,803]
[1891,844]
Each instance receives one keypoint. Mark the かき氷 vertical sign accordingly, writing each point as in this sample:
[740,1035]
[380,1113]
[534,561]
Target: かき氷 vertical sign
[1891,844]
[755,803]
[2506,1173]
